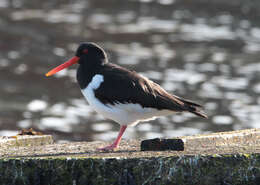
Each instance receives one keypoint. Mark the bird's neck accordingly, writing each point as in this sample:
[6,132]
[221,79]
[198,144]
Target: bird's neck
[85,74]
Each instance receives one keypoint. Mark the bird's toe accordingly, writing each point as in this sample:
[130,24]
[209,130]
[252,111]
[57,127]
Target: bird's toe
[107,148]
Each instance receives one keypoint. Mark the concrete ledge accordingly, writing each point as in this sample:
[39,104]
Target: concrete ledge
[219,158]
[243,141]
[249,137]
[233,138]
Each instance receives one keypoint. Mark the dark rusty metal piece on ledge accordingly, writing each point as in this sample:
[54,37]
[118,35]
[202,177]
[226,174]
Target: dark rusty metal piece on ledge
[158,144]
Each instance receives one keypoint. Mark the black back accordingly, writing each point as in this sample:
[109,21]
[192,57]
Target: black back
[123,86]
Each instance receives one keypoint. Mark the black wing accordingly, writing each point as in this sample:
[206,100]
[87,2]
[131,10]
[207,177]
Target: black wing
[124,86]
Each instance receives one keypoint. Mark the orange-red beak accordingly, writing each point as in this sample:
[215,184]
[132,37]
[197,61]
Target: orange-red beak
[68,63]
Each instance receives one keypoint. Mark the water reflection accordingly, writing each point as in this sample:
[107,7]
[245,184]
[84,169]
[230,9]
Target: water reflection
[205,54]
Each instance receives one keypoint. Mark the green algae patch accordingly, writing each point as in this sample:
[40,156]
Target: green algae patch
[198,169]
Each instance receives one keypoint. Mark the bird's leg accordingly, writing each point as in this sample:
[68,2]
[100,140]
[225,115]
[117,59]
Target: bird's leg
[116,142]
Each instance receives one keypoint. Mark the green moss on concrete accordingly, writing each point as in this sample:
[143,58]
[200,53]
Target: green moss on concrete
[226,169]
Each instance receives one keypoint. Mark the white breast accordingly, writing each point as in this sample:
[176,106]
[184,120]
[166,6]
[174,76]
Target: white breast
[124,114]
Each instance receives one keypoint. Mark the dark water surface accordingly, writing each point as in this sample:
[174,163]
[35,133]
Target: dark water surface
[207,52]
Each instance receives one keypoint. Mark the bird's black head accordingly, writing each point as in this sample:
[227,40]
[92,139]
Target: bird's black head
[88,55]
[91,53]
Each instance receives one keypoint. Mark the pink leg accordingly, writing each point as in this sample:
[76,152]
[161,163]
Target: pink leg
[116,142]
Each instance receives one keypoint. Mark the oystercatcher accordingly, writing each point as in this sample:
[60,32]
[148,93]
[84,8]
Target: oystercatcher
[120,94]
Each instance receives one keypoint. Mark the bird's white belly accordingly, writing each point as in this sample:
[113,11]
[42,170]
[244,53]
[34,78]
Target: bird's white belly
[124,114]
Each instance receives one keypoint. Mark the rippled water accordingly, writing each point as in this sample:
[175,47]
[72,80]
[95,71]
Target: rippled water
[206,52]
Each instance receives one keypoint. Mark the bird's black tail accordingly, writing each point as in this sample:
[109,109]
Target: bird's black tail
[199,113]
[193,107]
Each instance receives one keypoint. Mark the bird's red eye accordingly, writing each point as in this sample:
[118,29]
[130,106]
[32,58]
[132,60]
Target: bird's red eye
[85,51]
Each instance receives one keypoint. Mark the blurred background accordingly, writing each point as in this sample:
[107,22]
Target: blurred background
[206,51]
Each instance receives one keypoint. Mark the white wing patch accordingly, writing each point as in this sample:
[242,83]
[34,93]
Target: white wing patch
[124,114]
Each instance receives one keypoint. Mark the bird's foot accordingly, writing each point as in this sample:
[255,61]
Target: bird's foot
[107,148]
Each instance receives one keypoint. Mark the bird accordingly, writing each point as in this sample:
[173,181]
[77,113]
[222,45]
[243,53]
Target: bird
[122,95]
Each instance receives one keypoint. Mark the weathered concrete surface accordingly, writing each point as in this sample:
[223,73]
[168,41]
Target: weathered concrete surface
[79,163]
[249,137]
[243,141]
